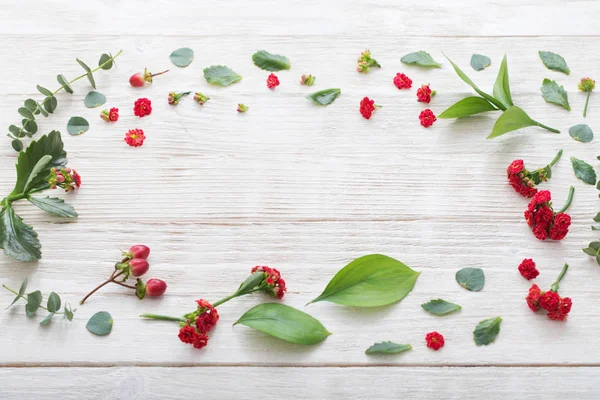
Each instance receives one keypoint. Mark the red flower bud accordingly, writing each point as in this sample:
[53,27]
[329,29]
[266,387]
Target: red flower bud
[137,80]
[155,287]
[139,251]
[139,266]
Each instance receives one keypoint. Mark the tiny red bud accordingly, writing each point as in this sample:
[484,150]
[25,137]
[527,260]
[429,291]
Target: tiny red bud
[137,80]
[155,287]
[139,266]
[139,251]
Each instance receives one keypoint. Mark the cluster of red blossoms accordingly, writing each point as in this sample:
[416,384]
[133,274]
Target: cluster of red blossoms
[273,282]
[272,81]
[367,107]
[542,219]
[528,270]
[402,81]
[427,118]
[424,94]
[110,116]
[65,178]
[524,181]
[434,340]
[142,107]
[557,307]
[195,329]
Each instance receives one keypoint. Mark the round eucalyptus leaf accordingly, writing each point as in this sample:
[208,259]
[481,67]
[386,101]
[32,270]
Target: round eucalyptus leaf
[182,57]
[26,113]
[64,83]
[105,61]
[582,133]
[50,104]
[471,279]
[77,125]
[32,106]
[30,126]
[100,324]
[17,145]
[94,99]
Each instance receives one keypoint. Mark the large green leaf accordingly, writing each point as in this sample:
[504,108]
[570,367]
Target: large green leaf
[324,97]
[468,106]
[502,87]
[182,57]
[422,59]
[220,75]
[512,119]
[584,171]
[554,62]
[50,144]
[554,93]
[388,348]
[486,331]
[582,133]
[54,206]
[370,281]
[471,279]
[284,322]
[270,62]
[18,239]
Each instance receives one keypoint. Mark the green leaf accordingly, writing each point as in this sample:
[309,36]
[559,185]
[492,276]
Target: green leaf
[50,144]
[30,126]
[105,62]
[182,57]
[479,62]
[100,324]
[486,331]
[468,106]
[593,250]
[584,171]
[285,323]
[68,312]
[34,300]
[16,131]
[388,348]
[26,113]
[512,119]
[54,206]
[47,320]
[87,69]
[62,81]
[21,292]
[83,65]
[421,58]
[220,75]
[43,110]
[553,93]
[440,307]
[17,145]
[597,218]
[581,133]
[554,62]
[324,97]
[370,281]
[94,99]
[39,166]
[270,62]
[77,126]
[501,87]
[53,302]
[250,283]
[471,279]
[44,91]
[18,239]
[32,106]
[50,104]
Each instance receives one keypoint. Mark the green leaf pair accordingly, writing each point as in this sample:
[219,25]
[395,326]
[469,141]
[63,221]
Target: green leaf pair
[594,247]
[34,302]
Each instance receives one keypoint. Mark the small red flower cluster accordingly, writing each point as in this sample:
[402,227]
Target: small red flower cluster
[543,221]
[427,118]
[110,116]
[402,81]
[272,81]
[275,285]
[528,270]
[557,307]
[194,331]
[142,107]
[519,179]
[434,340]
[424,94]
[135,137]
[65,178]
[367,107]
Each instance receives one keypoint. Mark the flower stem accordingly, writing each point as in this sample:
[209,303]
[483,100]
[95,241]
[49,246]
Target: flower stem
[159,73]
[587,100]
[569,200]
[23,297]
[555,160]
[224,300]
[554,286]
[106,282]
[15,197]
[162,317]
[546,127]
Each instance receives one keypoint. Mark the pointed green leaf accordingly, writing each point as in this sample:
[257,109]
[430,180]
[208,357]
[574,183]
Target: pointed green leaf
[554,62]
[16,131]
[324,97]
[270,62]
[597,217]
[370,281]
[54,206]
[252,282]
[589,251]
[479,62]
[182,57]
[553,93]
[105,62]
[502,87]
[21,292]
[47,320]
[83,65]
[471,279]
[68,312]
[582,133]
[50,104]
[62,81]
[220,75]
[39,167]
[53,302]
[77,126]
[486,331]
[584,171]
[512,119]
[388,348]
[422,59]
[440,307]
[44,91]
[285,323]
[90,77]
[100,324]
[94,99]
[26,113]
[18,239]
[34,300]
[468,106]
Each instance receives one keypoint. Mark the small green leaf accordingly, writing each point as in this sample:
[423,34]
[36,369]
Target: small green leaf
[90,77]
[39,167]
[270,62]
[53,302]
[468,106]
[324,97]
[479,62]
[220,75]
[15,131]
[77,125]
[18,239]
[554,62]
[421,58]
[94,99]
[54,206]
[68,312]
[182,57]
[32,106]
[42,109]
[30,126]
[21,292]
[34,300]
[47,320]
[584,171]
[593,250]
[17,145]
[553,93]
[50,104]
[597,218]
[370,281]
[440,307]
[501,87]
[581,133]
[512,119]
[62,81]
[486,331]
[471,279]
[285,323]
[44,91]
[100,324]
[388,348]
[26,113]
[105,62]
[83,65]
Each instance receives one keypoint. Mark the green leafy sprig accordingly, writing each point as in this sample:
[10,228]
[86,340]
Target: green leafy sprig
[31,107]
[512,117]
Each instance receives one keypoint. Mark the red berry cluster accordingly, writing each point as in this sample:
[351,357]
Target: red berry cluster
[542,219]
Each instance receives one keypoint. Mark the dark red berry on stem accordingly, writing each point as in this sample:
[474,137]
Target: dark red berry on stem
[155,287]
[139,266]
[139,79]
[139,251]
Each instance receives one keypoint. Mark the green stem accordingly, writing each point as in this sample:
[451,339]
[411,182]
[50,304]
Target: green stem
[555,160]
[569,200]
[23,297]
[162,317]
[587,100]
[546,127]
[554,286]
[224,300]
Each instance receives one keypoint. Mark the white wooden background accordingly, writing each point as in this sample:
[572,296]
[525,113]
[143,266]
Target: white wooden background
[306,190]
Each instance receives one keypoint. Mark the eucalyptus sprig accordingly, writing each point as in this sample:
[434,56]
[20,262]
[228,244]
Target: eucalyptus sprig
[31,107]
[34,302]
[40,167]
[512,117]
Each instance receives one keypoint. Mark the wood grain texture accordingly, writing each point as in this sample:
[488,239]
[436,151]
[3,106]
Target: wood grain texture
[305,189]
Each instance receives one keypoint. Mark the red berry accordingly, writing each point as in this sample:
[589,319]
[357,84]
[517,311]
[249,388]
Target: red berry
[137,80]
[139,266]
[139,251]
[155,287]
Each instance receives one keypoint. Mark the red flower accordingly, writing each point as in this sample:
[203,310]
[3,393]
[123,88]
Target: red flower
[434,340]
[540,232]
[142,107]
[550,301]
[528,270]
[187,334]
[533,298]
[563,310]
[272,81]
[560,229]
[427,118]
[424,94]
[543,196]
[515,167]
[208,316]
[200,340]
[76,178]
[275,285]
[402,81]
[65,178]
[521,187]
[135,137]
[367,106]
[110,116]
[542,220]
[543,216]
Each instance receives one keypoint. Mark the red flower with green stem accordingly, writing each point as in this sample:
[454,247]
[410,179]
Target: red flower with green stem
[544,222]
[524,181]
[557,307]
